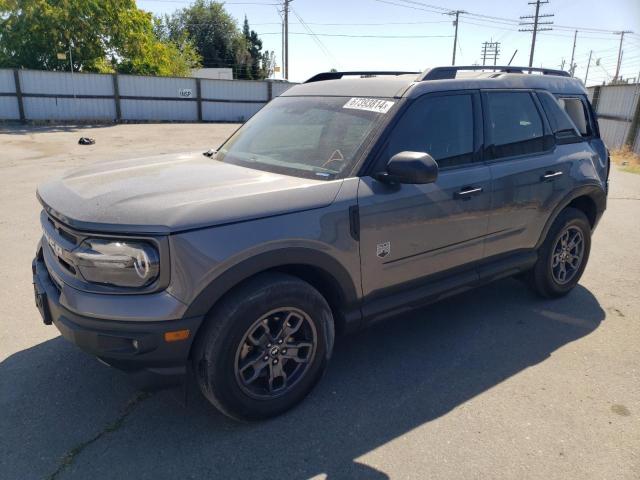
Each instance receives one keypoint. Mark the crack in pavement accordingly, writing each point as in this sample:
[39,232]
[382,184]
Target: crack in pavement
[111,427]
[624,198]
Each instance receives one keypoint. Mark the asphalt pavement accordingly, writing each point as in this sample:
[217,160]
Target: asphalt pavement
[492,384]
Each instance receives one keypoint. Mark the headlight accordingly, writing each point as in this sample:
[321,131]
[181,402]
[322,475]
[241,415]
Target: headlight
[120,263]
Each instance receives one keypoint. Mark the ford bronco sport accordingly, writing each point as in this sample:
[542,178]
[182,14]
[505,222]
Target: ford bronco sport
[343,201]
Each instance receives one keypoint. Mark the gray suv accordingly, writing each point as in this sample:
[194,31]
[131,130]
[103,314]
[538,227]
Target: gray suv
[342,202]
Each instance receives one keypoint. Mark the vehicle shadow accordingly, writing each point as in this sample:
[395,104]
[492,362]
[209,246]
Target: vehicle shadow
[381,384]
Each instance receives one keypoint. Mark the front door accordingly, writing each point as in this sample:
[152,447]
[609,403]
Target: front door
[410,232]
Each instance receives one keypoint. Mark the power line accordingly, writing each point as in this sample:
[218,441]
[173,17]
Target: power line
[319,42]
[378,24]
[480,17]
[358,36]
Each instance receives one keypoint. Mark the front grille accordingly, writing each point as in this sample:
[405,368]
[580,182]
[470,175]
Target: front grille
[60,240]
[68,236]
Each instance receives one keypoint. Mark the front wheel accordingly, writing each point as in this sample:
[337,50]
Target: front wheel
[264,347]
[563,256]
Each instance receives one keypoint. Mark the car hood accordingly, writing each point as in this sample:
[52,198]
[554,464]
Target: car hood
[176,192]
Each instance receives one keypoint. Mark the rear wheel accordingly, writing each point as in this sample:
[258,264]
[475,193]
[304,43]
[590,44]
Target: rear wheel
[563,256]
[264,347]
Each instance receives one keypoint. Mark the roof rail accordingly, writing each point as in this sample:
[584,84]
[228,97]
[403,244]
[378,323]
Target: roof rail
[443,73]
[337,75]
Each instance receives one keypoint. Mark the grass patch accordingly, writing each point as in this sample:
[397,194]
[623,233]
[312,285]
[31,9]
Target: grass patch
[626,159]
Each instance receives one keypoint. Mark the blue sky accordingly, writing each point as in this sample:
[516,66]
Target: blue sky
[372,34]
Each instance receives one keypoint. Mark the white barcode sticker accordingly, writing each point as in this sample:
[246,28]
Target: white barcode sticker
[369,104]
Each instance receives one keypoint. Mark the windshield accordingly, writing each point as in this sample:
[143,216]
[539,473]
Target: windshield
[313,137]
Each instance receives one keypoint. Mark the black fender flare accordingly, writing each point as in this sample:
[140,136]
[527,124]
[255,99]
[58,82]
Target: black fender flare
[593,191]
[283,257]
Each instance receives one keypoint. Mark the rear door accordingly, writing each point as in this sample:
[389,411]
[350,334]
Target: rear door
[409,232]
[530,172]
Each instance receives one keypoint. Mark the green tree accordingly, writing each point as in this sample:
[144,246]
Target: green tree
[211,30]
[102,35]
[217,38]
[254,48]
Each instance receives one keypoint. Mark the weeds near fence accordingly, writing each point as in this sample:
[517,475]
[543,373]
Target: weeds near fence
[626,159]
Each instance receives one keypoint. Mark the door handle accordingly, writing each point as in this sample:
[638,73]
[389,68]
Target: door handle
[467,192]
[550,176]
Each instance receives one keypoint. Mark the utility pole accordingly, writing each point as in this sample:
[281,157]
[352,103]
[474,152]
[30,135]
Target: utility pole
[490,49]
[455,37]
[572,66]
[496,52]
[512,57]
[586,75]
[286,39]
[535,25]
[621,33]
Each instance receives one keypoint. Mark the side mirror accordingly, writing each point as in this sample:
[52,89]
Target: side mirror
[411,168]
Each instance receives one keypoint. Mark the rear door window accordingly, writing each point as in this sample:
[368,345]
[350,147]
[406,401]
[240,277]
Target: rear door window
[515,126]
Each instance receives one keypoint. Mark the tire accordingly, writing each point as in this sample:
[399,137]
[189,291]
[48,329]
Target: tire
[546,277]
[248,363]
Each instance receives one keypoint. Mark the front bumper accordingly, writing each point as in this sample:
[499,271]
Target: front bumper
[127,345]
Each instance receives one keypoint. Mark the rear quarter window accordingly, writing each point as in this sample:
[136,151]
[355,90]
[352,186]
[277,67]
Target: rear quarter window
[562,125]
[577,111]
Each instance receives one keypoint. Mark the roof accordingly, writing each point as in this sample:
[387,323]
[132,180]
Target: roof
[411,85]
[387,86]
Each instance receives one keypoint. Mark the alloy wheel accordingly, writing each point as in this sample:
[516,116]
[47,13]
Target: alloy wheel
[275,353]
[568,254]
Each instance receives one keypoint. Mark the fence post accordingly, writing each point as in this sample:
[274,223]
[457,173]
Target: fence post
[199,98]
[596,98]
[16,79]
[116,96]
[635,122]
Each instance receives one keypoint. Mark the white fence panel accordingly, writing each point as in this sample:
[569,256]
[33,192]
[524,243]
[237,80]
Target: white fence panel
[47,108]
[7,84]
[61,83]
[234,90]
[159,110]
[618,100]
[133,86]
[280,87]
[9,108]
[229,112]
[613,132]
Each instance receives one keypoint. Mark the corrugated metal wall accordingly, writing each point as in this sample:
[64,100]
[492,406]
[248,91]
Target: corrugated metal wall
[8,100]
[616,106]
[95,97]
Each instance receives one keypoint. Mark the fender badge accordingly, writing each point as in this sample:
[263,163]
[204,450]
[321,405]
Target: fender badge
[383,249]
